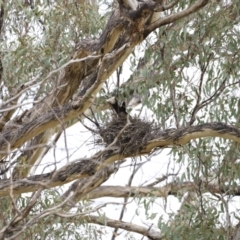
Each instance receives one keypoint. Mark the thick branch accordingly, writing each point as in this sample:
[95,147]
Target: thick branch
[88,166]
[53,117]
[145,231]
[169,189]
[176,16]
[80,188]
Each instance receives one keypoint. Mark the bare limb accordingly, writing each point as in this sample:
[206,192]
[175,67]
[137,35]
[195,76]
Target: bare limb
[177,16]
[145,231]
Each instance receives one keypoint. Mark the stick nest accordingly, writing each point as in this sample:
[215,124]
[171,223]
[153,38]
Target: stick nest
[129,136]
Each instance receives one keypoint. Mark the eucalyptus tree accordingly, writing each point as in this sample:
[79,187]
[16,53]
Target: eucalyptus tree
[66,63]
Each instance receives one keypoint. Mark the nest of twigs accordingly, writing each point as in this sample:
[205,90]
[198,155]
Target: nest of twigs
[129,135]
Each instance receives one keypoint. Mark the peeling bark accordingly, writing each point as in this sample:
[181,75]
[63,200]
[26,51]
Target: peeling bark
[129,24]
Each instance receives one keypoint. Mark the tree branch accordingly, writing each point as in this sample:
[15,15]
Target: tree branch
[86,167]
[169,189]
[177,16]
[145,231]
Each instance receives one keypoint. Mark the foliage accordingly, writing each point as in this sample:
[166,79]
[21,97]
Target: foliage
[58,68]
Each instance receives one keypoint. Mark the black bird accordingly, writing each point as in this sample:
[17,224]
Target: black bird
[120,110]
